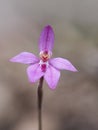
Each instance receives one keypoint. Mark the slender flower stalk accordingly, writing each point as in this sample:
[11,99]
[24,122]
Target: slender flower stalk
[44,67]
[40,98]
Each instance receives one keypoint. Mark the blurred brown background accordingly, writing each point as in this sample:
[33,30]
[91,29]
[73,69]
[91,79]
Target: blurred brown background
[74,104]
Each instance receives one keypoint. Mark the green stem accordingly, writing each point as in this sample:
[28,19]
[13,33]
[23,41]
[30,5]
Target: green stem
[40,97]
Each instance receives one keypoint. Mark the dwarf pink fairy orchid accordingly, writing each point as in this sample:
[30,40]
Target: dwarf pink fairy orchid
[45,65]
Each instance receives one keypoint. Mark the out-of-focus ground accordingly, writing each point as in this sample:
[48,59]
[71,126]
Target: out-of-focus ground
[74,104]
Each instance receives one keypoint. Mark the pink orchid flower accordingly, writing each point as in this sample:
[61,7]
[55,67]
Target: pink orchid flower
[45,65]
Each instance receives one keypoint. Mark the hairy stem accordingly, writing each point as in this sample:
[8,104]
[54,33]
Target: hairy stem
[40,97]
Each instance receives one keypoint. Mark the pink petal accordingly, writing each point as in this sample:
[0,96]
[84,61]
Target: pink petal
[34,72]
[46,40]
[25,58]
[52,76]
[61,63]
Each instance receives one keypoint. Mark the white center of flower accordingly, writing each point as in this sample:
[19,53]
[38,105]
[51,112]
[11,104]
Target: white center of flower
[44,56]
[43,65]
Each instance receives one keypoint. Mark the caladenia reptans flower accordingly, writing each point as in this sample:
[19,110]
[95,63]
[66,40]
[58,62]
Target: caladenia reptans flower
[44,65]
